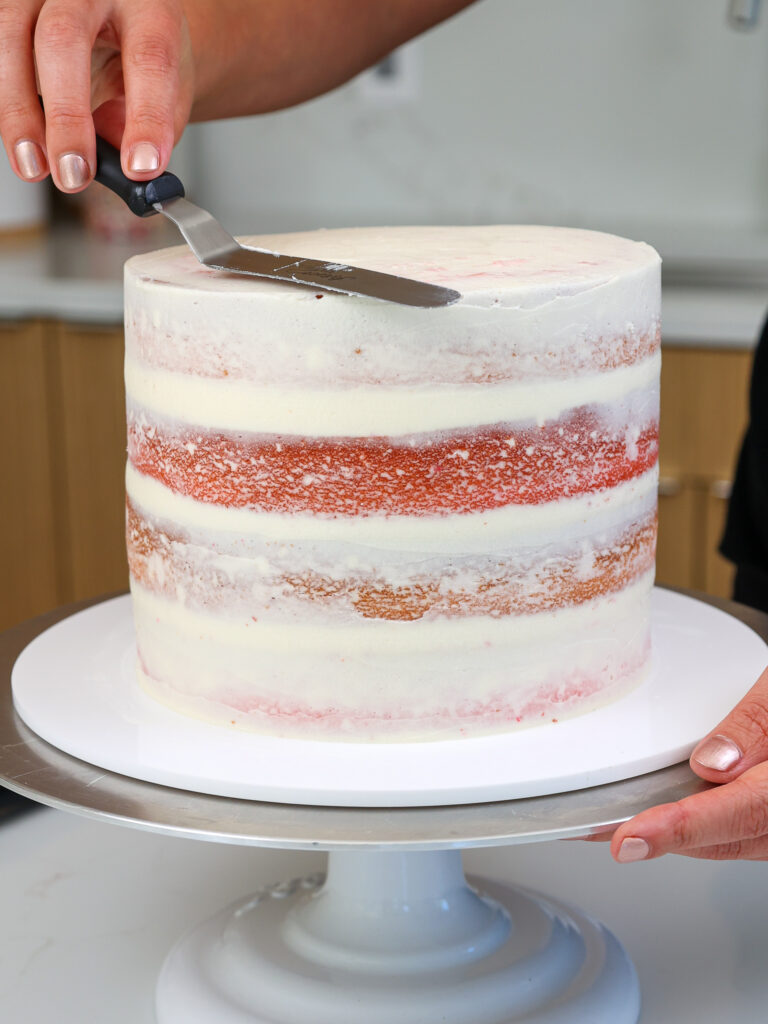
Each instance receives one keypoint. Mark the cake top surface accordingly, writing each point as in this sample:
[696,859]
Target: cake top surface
[509,265]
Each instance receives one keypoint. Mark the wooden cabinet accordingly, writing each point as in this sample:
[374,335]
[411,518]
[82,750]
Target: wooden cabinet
[62,458]
[28,566]
[704,406]
[88,406]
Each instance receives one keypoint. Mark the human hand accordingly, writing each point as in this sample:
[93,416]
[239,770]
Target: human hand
[726,823]
[122,68]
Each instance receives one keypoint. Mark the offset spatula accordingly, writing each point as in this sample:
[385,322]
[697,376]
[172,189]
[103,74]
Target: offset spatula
[217,249]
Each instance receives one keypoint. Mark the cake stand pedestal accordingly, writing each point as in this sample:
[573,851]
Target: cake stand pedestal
[397,937]
[394,932]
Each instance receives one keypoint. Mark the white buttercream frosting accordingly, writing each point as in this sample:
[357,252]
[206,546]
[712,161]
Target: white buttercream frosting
[384,411]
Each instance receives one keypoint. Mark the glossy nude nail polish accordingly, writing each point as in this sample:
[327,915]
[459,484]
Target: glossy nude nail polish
[73,170]
[632,849]
[144,157]
[717,753]
[29,159]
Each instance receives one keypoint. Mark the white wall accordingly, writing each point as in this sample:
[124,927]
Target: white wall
[637,115]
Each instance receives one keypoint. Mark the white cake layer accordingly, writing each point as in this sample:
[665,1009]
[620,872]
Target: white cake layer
[537,303]
[403,678]
[231,530]
[384,411]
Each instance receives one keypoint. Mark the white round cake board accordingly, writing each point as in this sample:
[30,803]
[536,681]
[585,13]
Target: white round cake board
[75,686]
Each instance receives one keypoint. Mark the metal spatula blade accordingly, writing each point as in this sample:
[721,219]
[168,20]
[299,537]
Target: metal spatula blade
[217,249]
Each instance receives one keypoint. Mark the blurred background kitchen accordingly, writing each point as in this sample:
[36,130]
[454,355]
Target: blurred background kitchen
[649,119]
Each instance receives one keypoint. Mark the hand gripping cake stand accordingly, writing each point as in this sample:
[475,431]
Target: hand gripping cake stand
[394,931]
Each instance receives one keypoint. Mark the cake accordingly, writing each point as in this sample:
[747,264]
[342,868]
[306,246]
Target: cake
[353,520]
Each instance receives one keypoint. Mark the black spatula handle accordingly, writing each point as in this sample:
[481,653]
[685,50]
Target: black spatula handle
[138,196]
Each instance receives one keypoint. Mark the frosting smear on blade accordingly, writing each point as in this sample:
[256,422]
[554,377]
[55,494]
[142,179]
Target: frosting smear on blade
[352,520]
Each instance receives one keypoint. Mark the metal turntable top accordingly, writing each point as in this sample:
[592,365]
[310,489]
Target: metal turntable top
[33,768]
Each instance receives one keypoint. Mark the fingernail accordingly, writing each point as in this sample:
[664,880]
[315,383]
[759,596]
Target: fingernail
[143,157]
[73,170]
[631,849]
[29,158]
[718,753]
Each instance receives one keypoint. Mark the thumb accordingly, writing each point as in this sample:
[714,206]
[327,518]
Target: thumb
[739,742]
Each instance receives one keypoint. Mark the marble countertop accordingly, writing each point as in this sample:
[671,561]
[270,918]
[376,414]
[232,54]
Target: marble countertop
[713,317]
[90,910]
[68,274]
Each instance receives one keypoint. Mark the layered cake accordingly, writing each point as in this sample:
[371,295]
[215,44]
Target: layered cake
[349,519]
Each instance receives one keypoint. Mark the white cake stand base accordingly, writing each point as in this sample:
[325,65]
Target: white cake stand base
[397,937]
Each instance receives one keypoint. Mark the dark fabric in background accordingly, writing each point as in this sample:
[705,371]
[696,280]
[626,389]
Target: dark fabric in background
[745,541]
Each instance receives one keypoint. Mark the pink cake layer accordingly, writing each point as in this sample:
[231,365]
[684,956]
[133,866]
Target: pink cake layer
[458,471]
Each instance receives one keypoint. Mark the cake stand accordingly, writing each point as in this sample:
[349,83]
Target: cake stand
[394,931]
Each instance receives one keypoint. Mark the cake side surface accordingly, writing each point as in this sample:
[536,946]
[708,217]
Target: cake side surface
[536,302]
[450,534]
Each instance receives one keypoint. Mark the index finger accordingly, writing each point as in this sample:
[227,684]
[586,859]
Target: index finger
[151,44]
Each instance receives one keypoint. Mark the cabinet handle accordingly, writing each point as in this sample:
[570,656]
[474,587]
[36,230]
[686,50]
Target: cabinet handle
[721,489]
[669,486]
